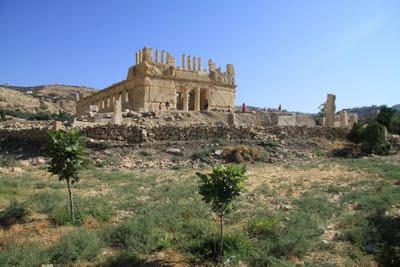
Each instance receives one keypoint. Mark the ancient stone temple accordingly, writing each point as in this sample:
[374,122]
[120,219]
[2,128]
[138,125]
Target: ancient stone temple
[155,79]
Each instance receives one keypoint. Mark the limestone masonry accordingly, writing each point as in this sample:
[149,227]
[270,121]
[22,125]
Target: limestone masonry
[155,82]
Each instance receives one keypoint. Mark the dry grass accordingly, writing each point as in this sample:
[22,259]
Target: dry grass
[243,153]
[270,189]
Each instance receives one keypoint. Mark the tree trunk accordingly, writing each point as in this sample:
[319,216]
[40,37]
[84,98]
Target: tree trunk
[71,201]
[221,252]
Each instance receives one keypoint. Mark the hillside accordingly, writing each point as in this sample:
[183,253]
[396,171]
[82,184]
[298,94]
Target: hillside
[368,112]
[43,98]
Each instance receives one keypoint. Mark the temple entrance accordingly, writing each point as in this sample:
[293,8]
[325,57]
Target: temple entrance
[179,101]
[203,99]
[191,99]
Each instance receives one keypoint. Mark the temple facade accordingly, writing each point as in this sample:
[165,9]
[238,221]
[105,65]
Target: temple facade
[156,81]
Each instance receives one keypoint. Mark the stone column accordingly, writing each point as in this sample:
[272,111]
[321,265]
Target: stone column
[112,104]
[162,56]
[343,118]
[117,113]
[188,63]
[170,59]
[140,56]
[185,100]
[147,55]
[330,110]
[183,61]
[194,63]
[211,65]
[232,121]
[137,58]
[57,125]
[353,118]
[199,64]
[157,56]
[197,99]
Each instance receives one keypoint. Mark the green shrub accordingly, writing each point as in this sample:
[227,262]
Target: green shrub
[40,116]
[385,116]
[40,185]
[95,207]
[356,134]
[374,140]
[124,259]
[60,216]
[145,153]
[293,236]
[394,125]
[2,115]
[236,247]
[370,227]
[14,213]
[296,237]
[176,167]
[137,234]
[316,205]
[25,256]
[46,201]
[265,226]
[341,152]
[357,230]
[77,246]
[389,255]
[375,201]
[259,259]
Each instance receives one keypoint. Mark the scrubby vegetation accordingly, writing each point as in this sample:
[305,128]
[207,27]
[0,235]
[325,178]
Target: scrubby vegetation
[39,116]
[332,212]
[14,213]
[372,137]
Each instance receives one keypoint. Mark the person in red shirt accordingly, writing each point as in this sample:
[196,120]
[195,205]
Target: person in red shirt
[244,107]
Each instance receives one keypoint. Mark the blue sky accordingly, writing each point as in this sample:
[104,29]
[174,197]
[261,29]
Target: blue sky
[284,52]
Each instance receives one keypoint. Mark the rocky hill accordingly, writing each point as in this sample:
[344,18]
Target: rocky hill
[368,112]
[43,98]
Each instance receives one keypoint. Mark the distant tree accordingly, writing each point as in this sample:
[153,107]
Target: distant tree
[374,140]
[66,150]
[394,126]
[221,188]
[322,109]
[63,116]
[356,134]
[385,115]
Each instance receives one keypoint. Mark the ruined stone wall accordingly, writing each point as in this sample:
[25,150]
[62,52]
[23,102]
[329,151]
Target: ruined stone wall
[35,135]
[134,134]
[283,119]
[305,120]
